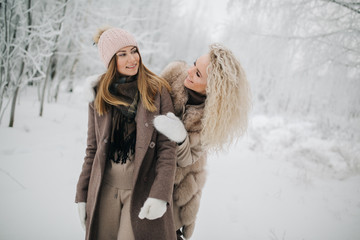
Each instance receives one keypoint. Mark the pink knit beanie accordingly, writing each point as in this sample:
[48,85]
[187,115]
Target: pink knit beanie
[110,41]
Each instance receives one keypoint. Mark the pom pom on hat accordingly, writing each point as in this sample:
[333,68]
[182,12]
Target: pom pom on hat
[110,40]
[99,32]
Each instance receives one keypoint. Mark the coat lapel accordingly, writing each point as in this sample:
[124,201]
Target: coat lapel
[144,131]
[103,136]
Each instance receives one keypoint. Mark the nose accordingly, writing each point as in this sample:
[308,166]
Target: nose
[190,71]
[131,57]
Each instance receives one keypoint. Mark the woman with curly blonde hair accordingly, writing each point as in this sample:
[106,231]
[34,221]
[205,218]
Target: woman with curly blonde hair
[211,102]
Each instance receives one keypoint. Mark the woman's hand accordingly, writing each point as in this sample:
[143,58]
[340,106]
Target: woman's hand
[171,127]
[153,208]
[82,213]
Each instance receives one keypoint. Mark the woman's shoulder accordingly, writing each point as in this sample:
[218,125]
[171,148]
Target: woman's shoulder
[163,95]
[175,71]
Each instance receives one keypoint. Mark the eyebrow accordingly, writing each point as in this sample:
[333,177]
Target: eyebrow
[125,50]
[197,68]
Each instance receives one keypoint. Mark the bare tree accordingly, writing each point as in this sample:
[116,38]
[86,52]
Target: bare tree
[352,5]
[22,67]
[10,19]
[302,57]
[51,65]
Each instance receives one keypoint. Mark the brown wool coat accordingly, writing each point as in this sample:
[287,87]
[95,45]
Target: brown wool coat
[154,171]
[191,157]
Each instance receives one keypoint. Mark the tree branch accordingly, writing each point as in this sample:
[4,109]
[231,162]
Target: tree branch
[346,5]
[14,179]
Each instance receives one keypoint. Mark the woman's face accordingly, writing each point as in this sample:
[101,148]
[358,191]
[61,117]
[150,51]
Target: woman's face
[127,61]
[197,76]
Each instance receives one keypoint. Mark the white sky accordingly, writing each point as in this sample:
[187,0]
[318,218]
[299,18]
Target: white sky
[213,14]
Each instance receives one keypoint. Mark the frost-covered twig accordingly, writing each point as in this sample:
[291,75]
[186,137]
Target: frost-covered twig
[273,235]
[12,178]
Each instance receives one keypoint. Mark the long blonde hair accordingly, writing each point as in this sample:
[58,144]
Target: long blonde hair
[148,84]
[228,99]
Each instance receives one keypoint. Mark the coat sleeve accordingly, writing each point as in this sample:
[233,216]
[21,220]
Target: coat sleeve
[189,151]
[83,183]
[163,185]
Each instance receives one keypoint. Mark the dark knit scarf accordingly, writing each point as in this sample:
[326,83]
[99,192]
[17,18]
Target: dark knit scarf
[195,98]
[123,132]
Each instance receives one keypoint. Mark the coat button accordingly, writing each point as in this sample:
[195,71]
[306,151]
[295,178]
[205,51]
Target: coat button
[152,145]
[146,124]
[105,140]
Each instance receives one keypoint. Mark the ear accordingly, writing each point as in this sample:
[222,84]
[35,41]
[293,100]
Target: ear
[90,83]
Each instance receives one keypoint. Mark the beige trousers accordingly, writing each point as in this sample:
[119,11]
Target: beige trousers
[114,214]
[114,221]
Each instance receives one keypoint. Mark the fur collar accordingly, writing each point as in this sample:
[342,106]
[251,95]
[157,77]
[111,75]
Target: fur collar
[89,87]
[191,115]
[175,74]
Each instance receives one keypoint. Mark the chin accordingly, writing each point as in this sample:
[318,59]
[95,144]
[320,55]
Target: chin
[131,73]
[187,85]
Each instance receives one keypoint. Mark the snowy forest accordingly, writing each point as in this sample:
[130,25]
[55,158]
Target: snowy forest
[301,58]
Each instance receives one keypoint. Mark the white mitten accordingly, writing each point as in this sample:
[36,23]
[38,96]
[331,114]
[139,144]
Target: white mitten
[171,126]
[82,213]
[153,208]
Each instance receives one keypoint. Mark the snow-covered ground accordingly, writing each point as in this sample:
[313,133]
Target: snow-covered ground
[285,180]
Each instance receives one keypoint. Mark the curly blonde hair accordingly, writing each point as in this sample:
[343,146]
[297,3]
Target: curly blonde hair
[228,100]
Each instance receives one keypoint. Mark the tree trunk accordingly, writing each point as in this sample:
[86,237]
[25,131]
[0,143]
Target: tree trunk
[5,53]
[3,48]
[13,103]
[44,87]
[51,65]
[22,67]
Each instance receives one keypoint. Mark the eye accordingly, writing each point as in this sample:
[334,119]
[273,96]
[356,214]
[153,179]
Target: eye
[121,55]
[198,74]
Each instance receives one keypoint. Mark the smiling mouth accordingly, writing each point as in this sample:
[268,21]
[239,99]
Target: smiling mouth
[132,66]
[189,80]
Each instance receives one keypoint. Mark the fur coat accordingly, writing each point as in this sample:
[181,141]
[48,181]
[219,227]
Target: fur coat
[190,179]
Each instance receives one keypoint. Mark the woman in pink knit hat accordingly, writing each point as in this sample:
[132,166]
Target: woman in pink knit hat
[125,188]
